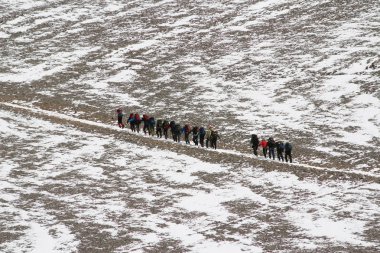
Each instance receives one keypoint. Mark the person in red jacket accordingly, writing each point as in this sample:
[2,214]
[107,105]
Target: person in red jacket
[145,119]
[137,122]
[264,145]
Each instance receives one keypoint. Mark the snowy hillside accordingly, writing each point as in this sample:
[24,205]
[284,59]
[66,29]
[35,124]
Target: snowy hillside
[303,71]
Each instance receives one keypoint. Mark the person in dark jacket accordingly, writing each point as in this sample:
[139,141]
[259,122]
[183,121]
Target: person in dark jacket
[288,152]
[159,126]
[254,143]
[172,130]
[152,123]
[131,121]
[166,127]
[271,147]
[120,116]
[177,132]
[195,133]
[145,120]
[186,130]
[280,150]
[202,134]
[214,138]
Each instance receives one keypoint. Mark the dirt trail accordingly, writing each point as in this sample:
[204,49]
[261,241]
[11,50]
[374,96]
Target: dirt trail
[230,157]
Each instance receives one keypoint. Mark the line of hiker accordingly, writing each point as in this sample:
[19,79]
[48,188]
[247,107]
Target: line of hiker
[200,135]
[270,146]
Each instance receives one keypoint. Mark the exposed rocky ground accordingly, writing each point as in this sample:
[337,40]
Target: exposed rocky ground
[304,71]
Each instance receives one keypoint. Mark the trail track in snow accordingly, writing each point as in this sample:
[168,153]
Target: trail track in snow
[91,187]
[220,155]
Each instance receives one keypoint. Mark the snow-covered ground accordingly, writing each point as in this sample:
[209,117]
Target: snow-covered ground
[297,70]
[64,190]
[303,71]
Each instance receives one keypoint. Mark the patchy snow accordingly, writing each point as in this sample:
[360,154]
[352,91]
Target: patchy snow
[303,71]
[4,35]
[345,231]
[154,177]
[58,63]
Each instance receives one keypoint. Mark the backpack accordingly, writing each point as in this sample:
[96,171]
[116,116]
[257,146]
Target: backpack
[187,129]
[202,131]
[254,139]
[166,124]
[214,135]
[137,118]
[280,146]
[159,123]
[131,118]
[177,128]
[288,146]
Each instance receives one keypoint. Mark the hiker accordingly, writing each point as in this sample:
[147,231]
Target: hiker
[152,122]
[186,130]
[288,152]
[271,147]
[131,121]
[213,138]
[202,134]
[166,127]
[177,132]
[280,150]
[137,122]
[264,145]
[145,119]
[255,143]
[120,116]
[172,130]
[195,133]
[159,128]
[208,136]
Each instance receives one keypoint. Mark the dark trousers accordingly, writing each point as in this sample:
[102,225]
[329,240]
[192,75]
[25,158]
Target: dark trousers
[159,132]
[146,129]
[207,142]
[151,130]
[174,135]
[288,156]
[120,123]
[187,135]
[271,153]
[132,126]
[202,140]
[255,147]
[265,150]
[280,155]
[166,133]
[195,140]
[213,144]
[138,127]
